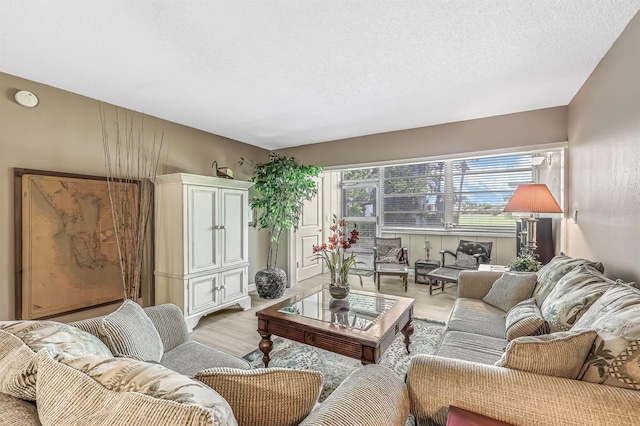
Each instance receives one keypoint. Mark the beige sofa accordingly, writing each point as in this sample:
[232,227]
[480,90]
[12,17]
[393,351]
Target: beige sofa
[463,374]
[355,401]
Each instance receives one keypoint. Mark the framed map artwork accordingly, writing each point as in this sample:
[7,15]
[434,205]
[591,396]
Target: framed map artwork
[66,250]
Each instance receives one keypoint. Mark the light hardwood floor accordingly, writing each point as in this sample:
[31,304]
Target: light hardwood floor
[234,331]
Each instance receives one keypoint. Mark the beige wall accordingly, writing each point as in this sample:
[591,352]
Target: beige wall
[494,133]
[604,160]
[63,133]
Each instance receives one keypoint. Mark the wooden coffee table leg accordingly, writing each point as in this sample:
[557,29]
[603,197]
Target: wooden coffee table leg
[265,346]
[407,331]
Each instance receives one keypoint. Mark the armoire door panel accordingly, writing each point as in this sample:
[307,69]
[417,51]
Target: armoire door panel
[203,205]
[234,218]
[233,284]
[203,293]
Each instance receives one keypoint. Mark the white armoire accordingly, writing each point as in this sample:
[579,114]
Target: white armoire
[201,238]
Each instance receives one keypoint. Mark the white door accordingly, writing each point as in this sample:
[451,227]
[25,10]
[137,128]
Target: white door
[309,234]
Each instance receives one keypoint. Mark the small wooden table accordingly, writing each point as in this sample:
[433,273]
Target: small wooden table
[361,326]
[393,269]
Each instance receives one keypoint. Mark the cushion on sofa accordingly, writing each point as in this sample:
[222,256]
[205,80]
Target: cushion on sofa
[559,354]
[550,274]
[471,347]
[525,319]
[510,289]
[191,357]
[614,359]
[91,390]
[475,316]
[260,397]
[19,342]
[574,293]
[129,332]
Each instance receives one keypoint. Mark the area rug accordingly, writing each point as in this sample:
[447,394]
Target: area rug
[335,368]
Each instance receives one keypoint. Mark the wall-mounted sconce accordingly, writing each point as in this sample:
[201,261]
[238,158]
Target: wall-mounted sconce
[26,99]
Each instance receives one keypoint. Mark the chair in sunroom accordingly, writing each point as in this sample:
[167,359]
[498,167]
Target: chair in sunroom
[388,250]
[468,256]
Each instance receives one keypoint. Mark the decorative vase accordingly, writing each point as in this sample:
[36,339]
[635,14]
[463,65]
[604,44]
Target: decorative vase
[271,283]
[339,291]
[339,286]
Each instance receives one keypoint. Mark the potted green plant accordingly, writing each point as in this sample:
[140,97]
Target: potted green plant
[525,263]
[282,185]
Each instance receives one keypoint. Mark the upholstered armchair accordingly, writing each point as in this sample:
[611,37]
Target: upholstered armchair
[468,256]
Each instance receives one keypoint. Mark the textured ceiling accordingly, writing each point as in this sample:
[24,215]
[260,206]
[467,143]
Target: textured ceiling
[285,73]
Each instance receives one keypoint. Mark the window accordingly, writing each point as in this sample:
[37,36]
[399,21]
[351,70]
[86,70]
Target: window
[463,194]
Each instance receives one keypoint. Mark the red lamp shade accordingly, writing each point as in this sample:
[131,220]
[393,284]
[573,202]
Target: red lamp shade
[532,198]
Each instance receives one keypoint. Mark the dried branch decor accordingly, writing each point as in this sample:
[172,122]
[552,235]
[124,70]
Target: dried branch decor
[131,159]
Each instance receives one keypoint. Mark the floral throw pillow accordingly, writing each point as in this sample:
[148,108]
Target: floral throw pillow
[614,358]
[550,274]
[19,342]
[573,295]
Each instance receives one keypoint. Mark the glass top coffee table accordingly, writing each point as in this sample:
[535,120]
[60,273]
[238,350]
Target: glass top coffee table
[361,326]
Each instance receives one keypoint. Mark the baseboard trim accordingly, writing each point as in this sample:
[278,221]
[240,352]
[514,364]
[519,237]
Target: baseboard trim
[252,286]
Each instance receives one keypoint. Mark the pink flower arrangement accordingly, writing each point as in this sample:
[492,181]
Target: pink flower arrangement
[334,252]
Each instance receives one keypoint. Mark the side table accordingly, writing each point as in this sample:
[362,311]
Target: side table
[422,267]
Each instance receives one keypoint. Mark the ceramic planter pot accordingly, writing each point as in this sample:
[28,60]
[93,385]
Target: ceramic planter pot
[271,283]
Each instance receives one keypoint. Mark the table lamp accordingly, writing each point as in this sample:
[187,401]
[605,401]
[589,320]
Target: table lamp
[531,198]
[427,247]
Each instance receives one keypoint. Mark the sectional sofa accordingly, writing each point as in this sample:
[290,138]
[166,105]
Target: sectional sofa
[556,348]
[139,367]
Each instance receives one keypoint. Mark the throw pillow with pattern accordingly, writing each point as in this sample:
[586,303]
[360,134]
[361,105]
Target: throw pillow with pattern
[550,274]
[525,319]
[614,358]
[573,295]
[19,342]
